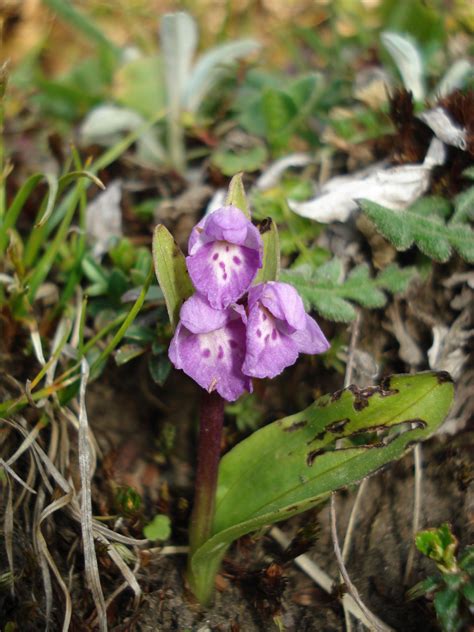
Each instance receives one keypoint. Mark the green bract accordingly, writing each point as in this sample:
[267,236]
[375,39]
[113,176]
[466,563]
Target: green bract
[293,464]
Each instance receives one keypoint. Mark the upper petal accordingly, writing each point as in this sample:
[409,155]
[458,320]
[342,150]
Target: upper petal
[284,302]
[223,272]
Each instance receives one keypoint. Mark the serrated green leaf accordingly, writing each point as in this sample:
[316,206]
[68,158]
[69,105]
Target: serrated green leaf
[171,272]
[463,207]
[325,290]
[429,232]
[236,195]
[292,464]
[271,252]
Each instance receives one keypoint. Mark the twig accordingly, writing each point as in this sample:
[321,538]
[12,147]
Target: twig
[374,623]
[418,468]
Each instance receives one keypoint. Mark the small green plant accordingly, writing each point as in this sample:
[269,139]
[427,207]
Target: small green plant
[294,463]
[452,589]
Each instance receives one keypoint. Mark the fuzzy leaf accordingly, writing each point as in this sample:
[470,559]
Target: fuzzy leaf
[325,290]
[293,464]
[463,207]
[171,272]
[231,162]
[429,232]
[408,60]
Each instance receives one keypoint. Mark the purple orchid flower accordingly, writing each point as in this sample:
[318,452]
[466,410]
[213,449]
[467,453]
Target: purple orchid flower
[209,345]
[278,330]
[225,252]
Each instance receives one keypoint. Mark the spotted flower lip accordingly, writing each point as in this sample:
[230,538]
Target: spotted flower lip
[209,346]
[278,330]
[225,253]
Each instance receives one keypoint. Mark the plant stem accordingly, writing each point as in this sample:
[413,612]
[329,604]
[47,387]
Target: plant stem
[209,450]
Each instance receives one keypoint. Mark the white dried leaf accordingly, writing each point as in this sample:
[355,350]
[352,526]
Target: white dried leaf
[217,201]
[407,57]
[271,176]
[395,188]
[454,78]
[444,128]
[104,218]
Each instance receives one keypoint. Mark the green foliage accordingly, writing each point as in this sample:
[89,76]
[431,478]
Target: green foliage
[247,412]
[158,529]
[236,195]
[293,464]
[325,289]
[231,162]
[271,253]
[171,272]
[423,225]
[275,114]
[453,587]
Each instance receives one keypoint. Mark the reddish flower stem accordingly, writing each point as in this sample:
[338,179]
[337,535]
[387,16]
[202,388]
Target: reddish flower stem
[209,451]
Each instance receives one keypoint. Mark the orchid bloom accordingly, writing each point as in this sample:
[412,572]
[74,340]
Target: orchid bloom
[278,330]
[225,253]
[209,346]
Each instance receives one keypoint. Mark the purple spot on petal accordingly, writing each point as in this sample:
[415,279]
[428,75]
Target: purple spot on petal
[274,334]
[259,333]
[206,353]
[227,248]
[220,354]
[215,256]
[267,338]
[236,260]
[222,265]
[264,316]
[224,276]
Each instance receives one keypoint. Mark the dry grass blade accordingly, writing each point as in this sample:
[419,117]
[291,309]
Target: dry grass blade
[12,473]
[8,532]
[374,622]
[90,558]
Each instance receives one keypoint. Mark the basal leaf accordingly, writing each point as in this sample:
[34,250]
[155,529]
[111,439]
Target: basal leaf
[293,464]
[171,272]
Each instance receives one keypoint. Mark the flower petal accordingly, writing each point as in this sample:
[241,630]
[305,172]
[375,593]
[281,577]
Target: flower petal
[199,317]
[269,351]
[223,272]
[213,359]
[310,339]
[226,224]
[284,302]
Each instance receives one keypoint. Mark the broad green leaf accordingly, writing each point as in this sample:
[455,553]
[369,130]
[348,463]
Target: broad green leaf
[271,252]
[463,207]
[293,464]
[171,272]
[325,289]
[236,195]
[247,160]
[159,367]
[430,233]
